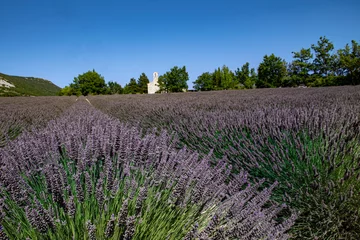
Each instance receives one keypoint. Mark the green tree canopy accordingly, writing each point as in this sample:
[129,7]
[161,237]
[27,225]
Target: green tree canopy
[271,72]
[114,88]
[142,83]
[349,61]
[68,91]
[132,87]
[301,67]
[250,83]
[323,64]
[174,80]
[217,84]
[245,76]
[243,73]
[204,82]
[228,80]
[90,82]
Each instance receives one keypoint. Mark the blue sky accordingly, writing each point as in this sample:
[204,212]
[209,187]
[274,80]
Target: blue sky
[57,40]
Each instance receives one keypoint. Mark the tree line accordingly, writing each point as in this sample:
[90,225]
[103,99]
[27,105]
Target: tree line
[318,65]
[93,83]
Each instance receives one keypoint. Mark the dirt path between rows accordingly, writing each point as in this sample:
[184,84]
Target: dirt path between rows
[88,101]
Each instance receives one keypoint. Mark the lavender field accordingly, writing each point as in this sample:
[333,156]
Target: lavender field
[251,164]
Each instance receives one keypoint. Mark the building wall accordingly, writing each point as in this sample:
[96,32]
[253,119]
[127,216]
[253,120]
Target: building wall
[153,86]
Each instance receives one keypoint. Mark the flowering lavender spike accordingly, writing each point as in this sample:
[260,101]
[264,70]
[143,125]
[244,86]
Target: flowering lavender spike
[179,191]
[88,184]
[115,187]
[110,227]
[36,220]
[46,214]
[130,228]
[91,230]
[123,214]
[140,199]
[70,206]
[79,189]
[100,193]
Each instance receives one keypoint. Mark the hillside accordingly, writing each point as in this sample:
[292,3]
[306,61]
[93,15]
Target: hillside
[26,86]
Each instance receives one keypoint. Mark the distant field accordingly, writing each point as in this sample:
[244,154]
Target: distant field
[249,164]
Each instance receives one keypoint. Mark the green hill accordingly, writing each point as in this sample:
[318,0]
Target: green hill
[26,86]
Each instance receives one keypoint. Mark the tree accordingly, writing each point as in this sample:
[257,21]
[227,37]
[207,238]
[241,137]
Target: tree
[301,67]
[68,91]
[349,62]
[245,76]
[217,84]
[174,80]
[142,83]
[89,83]
[324,59]
[114,88]
[253,77]
[204,82]
[132,87]
[250,81]
[243,73]
[227,78]
[271,72]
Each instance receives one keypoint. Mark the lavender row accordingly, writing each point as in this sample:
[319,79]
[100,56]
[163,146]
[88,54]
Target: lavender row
[87,175]
[25,113]
[307,140]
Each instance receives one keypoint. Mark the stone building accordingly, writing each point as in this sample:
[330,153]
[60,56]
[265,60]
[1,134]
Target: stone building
[153,86]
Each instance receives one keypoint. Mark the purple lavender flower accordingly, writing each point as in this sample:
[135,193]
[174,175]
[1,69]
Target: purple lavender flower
[123,214]
[100,193]
[36,220]
[79,189]
[91,230]
[140,199]
[130,228]
[70,206]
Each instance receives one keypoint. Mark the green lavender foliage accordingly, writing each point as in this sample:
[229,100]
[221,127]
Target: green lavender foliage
[317,177]
[157,220]
[126,205]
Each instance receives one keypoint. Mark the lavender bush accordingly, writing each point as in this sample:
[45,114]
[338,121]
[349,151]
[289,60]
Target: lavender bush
[307,140]
[88,176]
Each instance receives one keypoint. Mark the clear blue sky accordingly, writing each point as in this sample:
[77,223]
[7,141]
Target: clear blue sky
[58,40]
